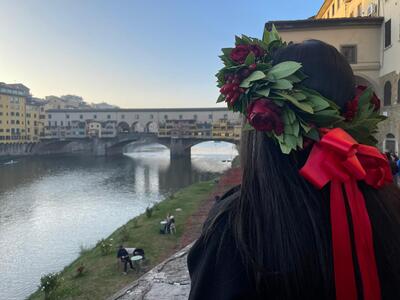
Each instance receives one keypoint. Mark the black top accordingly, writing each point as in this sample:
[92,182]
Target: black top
[216,276]
[217,272]
[122,253]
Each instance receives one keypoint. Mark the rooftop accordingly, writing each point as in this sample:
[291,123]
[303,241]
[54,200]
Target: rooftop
[194,109]
[315,23]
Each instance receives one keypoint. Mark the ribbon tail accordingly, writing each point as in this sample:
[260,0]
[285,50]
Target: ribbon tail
[345,283]
[363,242]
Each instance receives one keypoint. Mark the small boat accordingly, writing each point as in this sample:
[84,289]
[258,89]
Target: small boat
[11,162]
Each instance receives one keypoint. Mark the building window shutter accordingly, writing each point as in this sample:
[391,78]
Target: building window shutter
[398,91]
[388,33]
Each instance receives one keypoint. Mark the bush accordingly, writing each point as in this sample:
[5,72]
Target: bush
[49,283]
[84,250]
[124,234]
[149,212]
[105,246]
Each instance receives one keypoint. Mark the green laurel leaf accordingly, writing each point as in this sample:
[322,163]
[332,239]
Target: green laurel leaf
[313,134]
[263,92]
[303,106]
[247,127]
[256,75]
[221,98]
[282,70]
[318,103]
[227,51]
[282,84]
[250,59]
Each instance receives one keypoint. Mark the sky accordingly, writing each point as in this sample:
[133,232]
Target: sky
[131,53]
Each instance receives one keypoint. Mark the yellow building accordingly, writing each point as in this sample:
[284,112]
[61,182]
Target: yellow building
[34,121]
[223,129]
[348,9]
[12,113]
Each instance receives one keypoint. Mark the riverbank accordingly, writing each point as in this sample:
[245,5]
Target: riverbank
[101,277]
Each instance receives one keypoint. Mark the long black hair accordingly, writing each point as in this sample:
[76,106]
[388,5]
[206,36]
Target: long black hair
[280,222]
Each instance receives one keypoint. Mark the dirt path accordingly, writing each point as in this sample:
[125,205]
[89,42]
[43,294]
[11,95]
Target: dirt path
[194,224]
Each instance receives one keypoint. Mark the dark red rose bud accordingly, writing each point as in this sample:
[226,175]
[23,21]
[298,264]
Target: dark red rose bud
[229,96]
[234,98]
[375,101]
[264,115]
[257,50]
[252,67]
[352,106]
[239,53]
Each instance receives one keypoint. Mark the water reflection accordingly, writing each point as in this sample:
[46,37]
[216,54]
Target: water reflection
[50,206]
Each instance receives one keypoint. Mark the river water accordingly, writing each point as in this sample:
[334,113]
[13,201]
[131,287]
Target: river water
[51,206]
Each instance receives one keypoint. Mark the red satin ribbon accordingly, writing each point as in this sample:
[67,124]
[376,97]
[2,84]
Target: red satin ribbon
[340,160]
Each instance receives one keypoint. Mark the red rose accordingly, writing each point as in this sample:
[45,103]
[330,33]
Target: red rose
[351,109]
[374,100]
[257,50]
[352,106]
[239,53]
[264,115]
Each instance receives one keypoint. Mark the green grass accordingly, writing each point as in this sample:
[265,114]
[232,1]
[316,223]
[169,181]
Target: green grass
[102,278]
[236,162]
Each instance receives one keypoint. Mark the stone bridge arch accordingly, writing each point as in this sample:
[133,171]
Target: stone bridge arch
[137,127]
[152,127]
[123,127]
[181,147]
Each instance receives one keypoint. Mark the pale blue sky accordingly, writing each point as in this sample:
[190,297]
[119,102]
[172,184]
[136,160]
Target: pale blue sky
[148,53]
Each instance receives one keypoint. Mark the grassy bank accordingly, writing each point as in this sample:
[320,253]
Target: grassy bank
[101,275]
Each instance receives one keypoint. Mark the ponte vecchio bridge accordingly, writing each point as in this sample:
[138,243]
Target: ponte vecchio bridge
[107,132]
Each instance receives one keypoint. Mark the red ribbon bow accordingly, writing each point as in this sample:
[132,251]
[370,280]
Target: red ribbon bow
[340,160]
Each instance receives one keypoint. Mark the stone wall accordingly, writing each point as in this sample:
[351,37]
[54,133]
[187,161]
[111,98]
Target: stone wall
[392,125]
[169,280]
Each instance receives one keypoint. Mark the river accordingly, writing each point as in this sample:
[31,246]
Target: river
[52,206]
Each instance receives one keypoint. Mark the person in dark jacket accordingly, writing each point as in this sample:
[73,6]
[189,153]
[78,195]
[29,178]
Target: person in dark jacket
[272,238]
[123,255]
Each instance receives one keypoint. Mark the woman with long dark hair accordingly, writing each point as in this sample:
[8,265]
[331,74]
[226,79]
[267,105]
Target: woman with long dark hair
[276,236]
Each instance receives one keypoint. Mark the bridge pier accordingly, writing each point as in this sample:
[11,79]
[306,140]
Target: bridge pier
[179,148]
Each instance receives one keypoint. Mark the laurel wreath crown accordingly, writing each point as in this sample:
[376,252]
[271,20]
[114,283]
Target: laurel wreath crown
[293,113]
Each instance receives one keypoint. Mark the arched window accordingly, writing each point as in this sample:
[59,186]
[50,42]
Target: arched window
[387,94]
[390,143]
[398,91]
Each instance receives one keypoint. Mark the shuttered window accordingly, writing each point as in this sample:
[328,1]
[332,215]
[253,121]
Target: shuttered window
[388,33]
[350,53]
